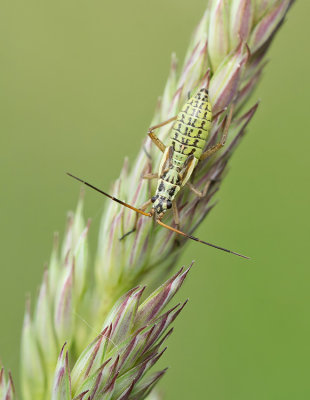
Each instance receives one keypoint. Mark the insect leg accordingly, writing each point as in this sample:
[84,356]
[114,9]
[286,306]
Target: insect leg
[163,123]
[156,141]
[197,192]
[142,208]
[211,151]
[218,146]
[153,136]
[176,216]
[150,176]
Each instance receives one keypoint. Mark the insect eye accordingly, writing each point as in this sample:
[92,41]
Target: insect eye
[169,204]
[153,199]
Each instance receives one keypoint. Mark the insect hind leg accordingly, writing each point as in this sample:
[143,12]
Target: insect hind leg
[219,145]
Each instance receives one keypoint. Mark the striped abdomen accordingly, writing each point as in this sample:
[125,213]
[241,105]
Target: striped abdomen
[191,129]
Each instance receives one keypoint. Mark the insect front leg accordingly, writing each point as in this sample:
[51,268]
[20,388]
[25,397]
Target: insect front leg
[176,216]
[142,208]
[153,136]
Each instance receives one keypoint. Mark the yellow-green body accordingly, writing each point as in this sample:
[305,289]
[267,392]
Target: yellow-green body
[186,144]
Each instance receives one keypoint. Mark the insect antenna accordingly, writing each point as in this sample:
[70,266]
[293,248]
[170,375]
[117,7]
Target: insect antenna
[157,220]
[198,240]
[111,197]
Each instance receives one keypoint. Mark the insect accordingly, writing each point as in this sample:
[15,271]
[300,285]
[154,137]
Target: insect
[180,157]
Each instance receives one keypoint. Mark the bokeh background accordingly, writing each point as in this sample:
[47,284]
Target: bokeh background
[79,82]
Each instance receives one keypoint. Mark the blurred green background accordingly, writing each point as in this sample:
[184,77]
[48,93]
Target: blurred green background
[75,75]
